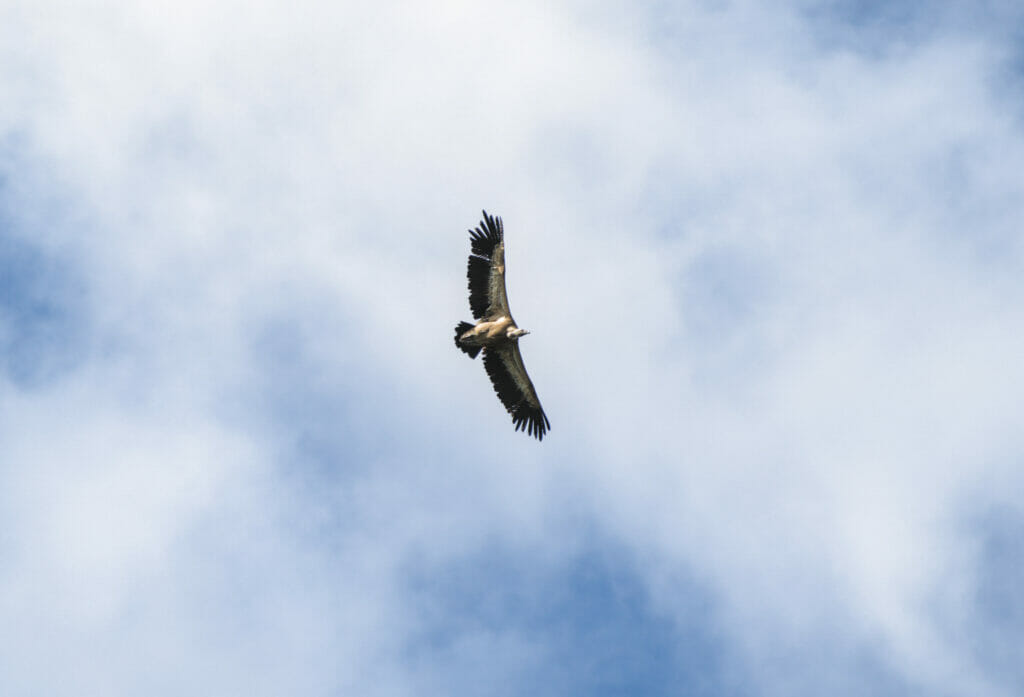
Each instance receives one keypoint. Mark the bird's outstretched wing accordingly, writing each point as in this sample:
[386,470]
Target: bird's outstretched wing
[486,272]
[515,390]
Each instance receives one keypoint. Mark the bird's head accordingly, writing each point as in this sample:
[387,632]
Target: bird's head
[516,333]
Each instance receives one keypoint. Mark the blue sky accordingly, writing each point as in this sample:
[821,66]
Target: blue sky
[771,259]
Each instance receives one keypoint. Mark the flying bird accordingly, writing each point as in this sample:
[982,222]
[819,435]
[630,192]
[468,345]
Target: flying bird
[496,333]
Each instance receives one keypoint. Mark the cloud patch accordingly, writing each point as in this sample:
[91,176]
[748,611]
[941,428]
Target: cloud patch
[772,269]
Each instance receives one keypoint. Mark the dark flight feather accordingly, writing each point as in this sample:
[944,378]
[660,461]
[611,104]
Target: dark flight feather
[513,387]
[486,268]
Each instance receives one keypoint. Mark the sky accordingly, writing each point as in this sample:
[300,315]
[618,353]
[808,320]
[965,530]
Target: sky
[771,260]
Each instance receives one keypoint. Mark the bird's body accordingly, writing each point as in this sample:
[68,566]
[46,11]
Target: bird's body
[496,333]
[491,333]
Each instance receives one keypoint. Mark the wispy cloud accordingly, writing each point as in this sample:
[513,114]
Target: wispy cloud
[772,266]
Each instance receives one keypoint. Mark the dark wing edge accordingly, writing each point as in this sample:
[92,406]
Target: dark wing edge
[484,241]
[512,385]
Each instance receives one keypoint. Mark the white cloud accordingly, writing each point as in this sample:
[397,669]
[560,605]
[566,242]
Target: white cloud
[774,289]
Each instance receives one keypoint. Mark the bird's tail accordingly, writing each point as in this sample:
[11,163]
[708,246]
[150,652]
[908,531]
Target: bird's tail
[460,329]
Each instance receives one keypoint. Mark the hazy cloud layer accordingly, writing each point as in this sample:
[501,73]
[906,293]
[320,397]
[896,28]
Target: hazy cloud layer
[771,259]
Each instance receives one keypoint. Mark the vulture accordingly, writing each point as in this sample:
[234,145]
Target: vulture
[496,333]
